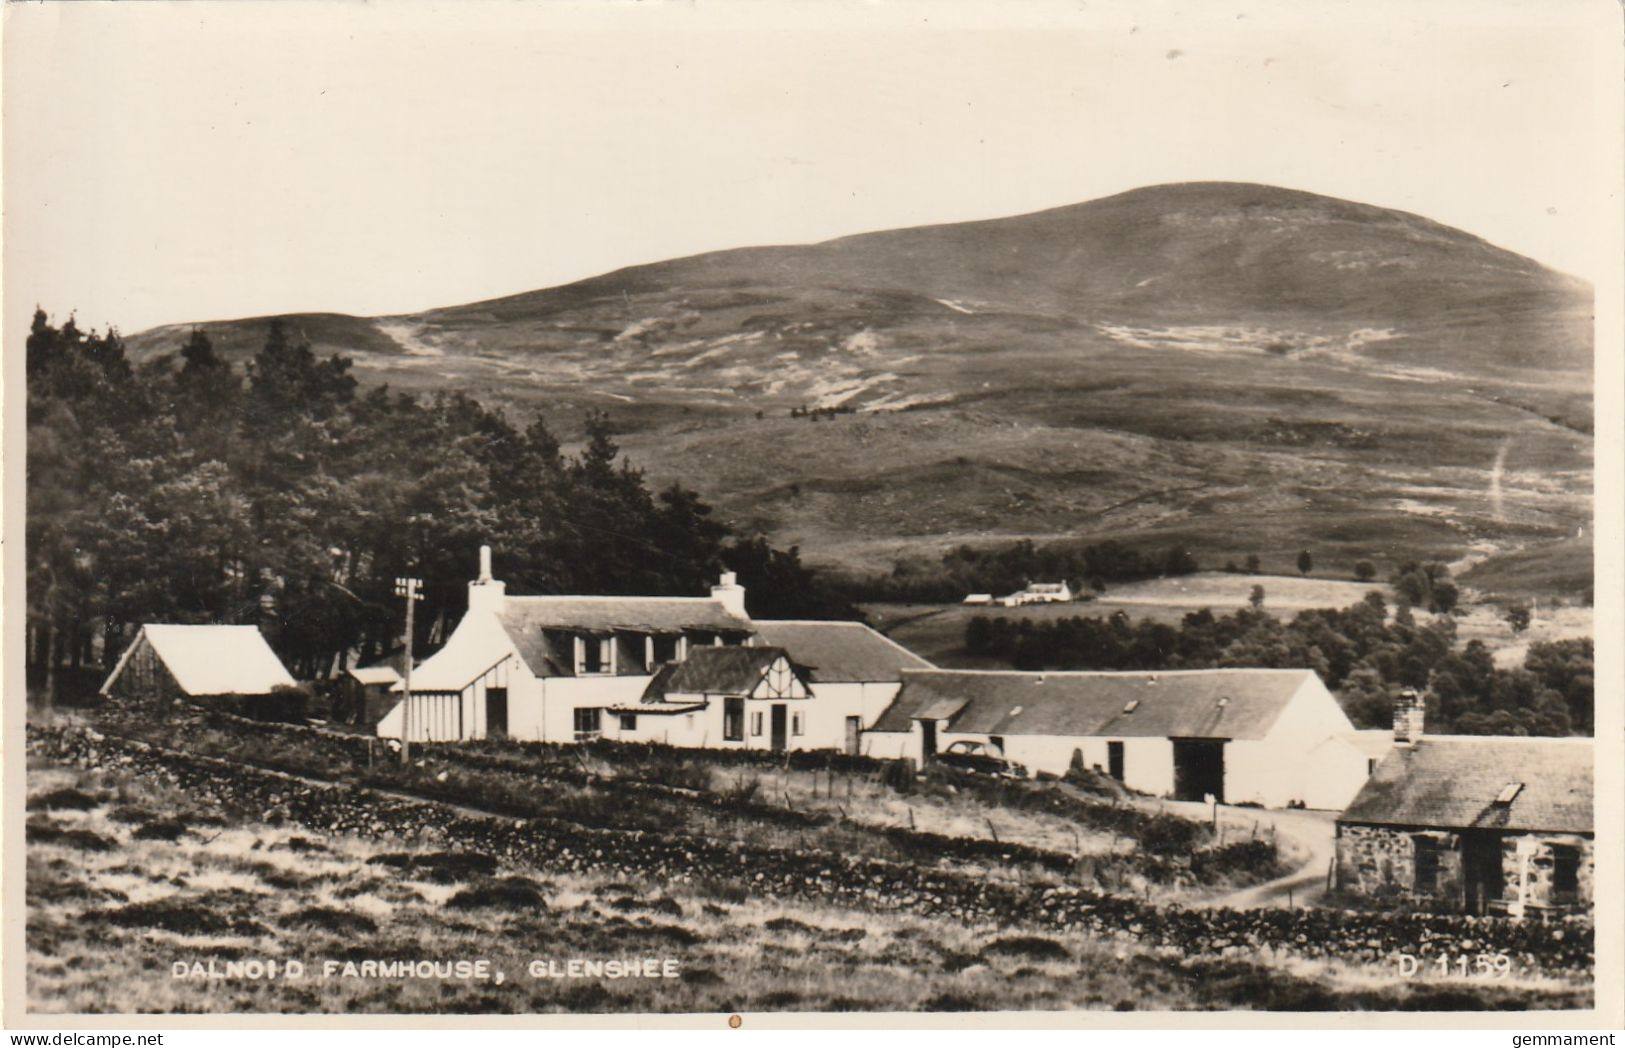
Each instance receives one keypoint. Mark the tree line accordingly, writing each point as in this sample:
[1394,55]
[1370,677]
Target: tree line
[1010,567]
[283,494]
[1363,653]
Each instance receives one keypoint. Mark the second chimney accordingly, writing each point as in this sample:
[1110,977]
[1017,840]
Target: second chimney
[730,594]
[1410,716]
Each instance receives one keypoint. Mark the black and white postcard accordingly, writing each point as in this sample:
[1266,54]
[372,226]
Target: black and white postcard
[811,514]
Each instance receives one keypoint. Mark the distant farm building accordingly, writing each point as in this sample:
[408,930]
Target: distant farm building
[1038,593]
[1483,824]
[561,669]
[1237,735]
[978,598]
[167,662]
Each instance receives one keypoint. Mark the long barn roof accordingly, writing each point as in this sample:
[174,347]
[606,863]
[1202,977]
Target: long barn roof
[1222,704]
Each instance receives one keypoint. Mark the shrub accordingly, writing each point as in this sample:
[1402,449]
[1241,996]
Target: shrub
[68,799]
[326,918]
[1035,947]
[161,830]
[505,892]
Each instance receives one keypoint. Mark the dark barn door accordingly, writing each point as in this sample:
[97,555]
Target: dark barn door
[1198,769]
[780,719]
[1114,760]
[928,739]
[854,730]
[496,713]
[1481,869]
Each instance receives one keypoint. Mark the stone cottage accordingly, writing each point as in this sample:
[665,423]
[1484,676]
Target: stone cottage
[1481,824]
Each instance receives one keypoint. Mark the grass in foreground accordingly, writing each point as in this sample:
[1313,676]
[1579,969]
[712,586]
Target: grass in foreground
[113,908]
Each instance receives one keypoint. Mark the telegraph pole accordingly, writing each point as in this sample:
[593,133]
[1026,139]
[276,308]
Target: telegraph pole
[407,588]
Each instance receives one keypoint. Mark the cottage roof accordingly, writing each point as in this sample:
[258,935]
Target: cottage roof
[725,670]
[1224,704]
[527,620]
[1453,781]
[374,674]
[475,646]
[837,652]
[211,660]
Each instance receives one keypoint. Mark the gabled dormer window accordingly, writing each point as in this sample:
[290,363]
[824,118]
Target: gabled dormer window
[662,648]
[595,655]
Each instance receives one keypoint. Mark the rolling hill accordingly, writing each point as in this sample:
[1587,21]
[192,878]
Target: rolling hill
[1238,368]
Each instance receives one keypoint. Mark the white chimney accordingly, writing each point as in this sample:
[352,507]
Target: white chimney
[486,593]
[730,594]
[1410,716]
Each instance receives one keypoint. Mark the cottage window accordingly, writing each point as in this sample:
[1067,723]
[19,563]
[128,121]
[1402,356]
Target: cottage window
[756,723]
[1565,870]
[629,722]
[795,723]
[595,655]
[1427,865]
[588,723]
[733,720]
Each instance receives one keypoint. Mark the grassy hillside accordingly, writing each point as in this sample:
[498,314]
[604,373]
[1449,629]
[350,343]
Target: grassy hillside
[1239,368]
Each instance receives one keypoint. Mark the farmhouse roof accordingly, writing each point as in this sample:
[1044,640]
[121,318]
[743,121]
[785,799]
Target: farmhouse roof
[840,652]
[374,674]
[726,670]
[211,660]
[1222,704]
[475,646]
[527,619]
[1454,781]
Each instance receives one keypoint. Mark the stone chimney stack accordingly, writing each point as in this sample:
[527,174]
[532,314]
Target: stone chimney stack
[486,593]
[1410,715]
[730,594]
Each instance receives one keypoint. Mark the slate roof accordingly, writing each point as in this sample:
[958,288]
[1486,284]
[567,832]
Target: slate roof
[840,652]
[211,660]
[527,620]
[1452,781]
[1219,704]
[726,670]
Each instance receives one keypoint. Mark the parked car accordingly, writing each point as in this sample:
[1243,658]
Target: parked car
[981,758]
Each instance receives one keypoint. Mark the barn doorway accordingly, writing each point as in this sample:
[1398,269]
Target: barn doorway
[1114,760]
[928,739]
[1481,874]
[1198,769]
[854,731]
[496,713]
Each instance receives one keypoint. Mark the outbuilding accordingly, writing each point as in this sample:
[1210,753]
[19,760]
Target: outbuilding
[1235,735]
[169,661]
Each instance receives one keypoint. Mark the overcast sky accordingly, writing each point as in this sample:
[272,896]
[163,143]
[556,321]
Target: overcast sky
[168,163]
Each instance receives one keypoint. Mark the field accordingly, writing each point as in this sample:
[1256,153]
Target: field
[141,858]
[937,632]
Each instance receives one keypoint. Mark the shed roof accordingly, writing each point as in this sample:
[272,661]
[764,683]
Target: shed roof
[211,660]
[726,670]
[840,652]
[1222,704]
[1452,781]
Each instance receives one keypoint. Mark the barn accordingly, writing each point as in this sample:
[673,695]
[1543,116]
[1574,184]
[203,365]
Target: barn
[168,661]
[1237,735]
[1475,823]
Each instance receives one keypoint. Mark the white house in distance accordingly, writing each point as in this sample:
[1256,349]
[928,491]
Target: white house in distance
[1038,593]
[562,669]
[167,661]
[1239,735]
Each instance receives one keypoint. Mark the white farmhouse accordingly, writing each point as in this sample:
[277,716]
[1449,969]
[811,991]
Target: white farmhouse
[546,669]
[563,669]
[855,674]
[1038,593]
[1239,735]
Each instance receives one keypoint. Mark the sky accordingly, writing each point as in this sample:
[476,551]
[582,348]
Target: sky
[178,162]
